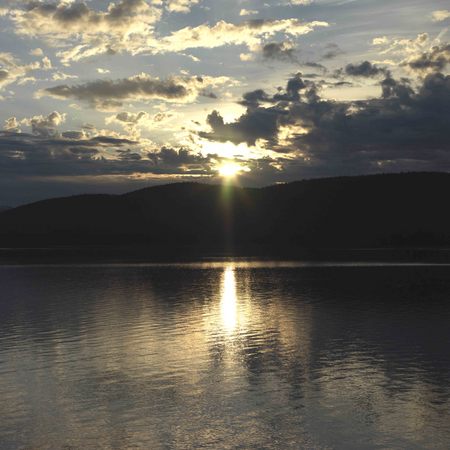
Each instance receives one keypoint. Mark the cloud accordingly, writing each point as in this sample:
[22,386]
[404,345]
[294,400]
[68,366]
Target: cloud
[332,51]
[61,76]
[247,12]
[46,63]
[131,118]
[35,163]
[40,125]
[12,70]
[403,47]
[130,121]
[281,51]
[37,52]
[315,65]
[258,123]
[45,125]
[249,33]
[12,124]
[380,40]
[403,129]
[246,56]
[60,20]
[440,16]
[420,54]
[434,60]
[168,159]
[74,154]
[180,6]
[110,94]
[89,32]
[129,26]
[365,69]
[255,97]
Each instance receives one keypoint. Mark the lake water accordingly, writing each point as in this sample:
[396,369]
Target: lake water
[225,355]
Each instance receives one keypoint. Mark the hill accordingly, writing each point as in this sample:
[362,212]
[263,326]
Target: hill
[408,209]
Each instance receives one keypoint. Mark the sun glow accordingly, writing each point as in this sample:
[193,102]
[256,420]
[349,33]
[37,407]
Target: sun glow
[230,169]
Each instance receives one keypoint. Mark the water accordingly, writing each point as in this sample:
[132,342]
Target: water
[225,356]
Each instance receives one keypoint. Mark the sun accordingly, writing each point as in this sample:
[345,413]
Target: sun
[230,169]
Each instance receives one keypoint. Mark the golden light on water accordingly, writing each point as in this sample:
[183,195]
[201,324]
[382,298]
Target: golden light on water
[228,301]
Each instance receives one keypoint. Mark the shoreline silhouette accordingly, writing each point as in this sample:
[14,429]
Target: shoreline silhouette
[399,216]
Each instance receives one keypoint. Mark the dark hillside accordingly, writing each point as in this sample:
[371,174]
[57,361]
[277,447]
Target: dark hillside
[370,211]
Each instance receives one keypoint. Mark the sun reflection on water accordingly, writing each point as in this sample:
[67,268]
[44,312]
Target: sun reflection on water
[228,301]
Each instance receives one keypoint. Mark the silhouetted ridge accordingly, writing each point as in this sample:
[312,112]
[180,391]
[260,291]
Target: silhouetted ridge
[370,211]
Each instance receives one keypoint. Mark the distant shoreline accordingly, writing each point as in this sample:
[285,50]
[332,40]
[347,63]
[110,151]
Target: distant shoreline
[134,254]
[397,217]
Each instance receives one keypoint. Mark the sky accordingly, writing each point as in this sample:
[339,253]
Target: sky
[100,96]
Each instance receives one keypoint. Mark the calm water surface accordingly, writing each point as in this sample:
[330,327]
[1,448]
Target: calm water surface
[225,355]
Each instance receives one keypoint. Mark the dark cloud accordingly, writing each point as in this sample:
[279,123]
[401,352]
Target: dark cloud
[169,157]
[130,117]
[315,65]
[260,122]
[208,94]
[311,75]
[255,97]
[434,60]
[73,135]
[72,154]
[256,123]
[404,129]
[293,87]
[111,93]
[281,51]
[4,74]
[77,15]
[332,51]
[128,155]
[398,89]
[68,14]
[365,69]
[34,167]
[109,140]
[341,83]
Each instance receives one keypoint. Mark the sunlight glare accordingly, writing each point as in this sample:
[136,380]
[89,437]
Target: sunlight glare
[228,302]
[230,169]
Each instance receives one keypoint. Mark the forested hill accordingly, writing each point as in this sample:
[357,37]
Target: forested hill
[409,209]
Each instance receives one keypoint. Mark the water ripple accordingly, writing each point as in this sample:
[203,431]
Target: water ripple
[225,355]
